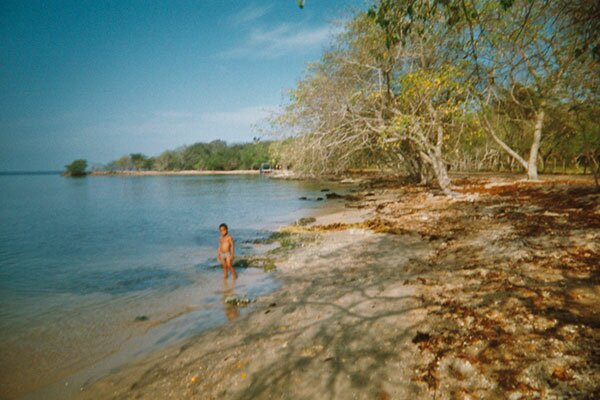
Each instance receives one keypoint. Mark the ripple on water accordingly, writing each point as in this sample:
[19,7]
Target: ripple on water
[125,281]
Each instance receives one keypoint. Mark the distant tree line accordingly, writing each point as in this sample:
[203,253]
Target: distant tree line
[214,156]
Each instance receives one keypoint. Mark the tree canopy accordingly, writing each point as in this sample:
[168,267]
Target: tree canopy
[76,168]
[419,87]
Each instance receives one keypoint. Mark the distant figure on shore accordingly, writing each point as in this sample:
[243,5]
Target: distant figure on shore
[226,251]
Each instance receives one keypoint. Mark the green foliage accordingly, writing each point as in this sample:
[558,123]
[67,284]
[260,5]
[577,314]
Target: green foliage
[214,156]
[76,168]
[416,86]
[138,160]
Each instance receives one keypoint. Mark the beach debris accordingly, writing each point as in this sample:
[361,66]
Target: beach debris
[351,180]
[461,368]
[335,226]
[561,373]
[194,379]
[239,301]
[421,337]
[305,221]
[312,351]
[270,306]
[383,395]
[351,197]
[243,375]
[140,318]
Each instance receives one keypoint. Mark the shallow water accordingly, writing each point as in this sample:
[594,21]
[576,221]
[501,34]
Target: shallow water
[81,259]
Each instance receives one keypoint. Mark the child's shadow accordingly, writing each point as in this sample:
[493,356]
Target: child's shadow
[231,311]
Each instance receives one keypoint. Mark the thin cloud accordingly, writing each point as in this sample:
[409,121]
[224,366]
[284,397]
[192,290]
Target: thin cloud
[171,114]
[282,40]
[250,14]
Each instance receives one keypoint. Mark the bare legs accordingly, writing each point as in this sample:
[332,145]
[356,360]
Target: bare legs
[228,266]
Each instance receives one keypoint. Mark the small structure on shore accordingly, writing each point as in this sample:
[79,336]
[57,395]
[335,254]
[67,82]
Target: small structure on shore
[265,168]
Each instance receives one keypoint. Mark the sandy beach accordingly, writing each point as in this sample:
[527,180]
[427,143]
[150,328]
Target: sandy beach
[396,292]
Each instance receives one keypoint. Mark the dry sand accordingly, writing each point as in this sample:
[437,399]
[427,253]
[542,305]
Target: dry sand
[407,294]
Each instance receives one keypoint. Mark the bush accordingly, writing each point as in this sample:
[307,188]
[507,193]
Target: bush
[76,168]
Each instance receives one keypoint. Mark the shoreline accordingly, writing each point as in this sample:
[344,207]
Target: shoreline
[175,173]
[69,385]
[406,294]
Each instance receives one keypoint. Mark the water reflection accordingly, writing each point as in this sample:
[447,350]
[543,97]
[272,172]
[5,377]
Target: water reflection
[231,311]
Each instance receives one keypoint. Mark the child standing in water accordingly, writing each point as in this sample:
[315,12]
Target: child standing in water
[226,251]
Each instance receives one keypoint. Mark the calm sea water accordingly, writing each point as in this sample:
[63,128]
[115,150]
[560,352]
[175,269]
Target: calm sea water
[80,259]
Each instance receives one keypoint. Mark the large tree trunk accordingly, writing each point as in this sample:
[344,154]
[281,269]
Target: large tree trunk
[437,167]
[532,170]
[441,174]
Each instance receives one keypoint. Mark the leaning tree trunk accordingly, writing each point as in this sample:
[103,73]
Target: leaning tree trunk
[594,162]
[432,157]
[531,164]
[532,170]
[441,174]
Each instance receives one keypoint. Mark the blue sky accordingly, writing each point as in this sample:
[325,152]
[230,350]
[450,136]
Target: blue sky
[99,79]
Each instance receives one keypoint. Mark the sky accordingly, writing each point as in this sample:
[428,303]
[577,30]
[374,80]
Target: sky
[100,79]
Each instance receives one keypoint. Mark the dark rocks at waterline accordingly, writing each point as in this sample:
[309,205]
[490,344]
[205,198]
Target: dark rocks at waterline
[349,197]
[324,190]
[305,221]
[265,263]
[307,198]
[141,318]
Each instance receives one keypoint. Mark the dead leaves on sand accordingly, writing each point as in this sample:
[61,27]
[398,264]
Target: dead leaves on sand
[513,287]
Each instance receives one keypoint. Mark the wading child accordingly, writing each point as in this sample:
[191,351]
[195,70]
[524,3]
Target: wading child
[226,251]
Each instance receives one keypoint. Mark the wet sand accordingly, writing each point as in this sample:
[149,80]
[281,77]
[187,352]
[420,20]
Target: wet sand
[403,293]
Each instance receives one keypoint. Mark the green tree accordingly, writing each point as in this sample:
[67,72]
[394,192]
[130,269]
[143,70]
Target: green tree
[149,163]
[420,85]
[76,168]
[138,160]
[169,160]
